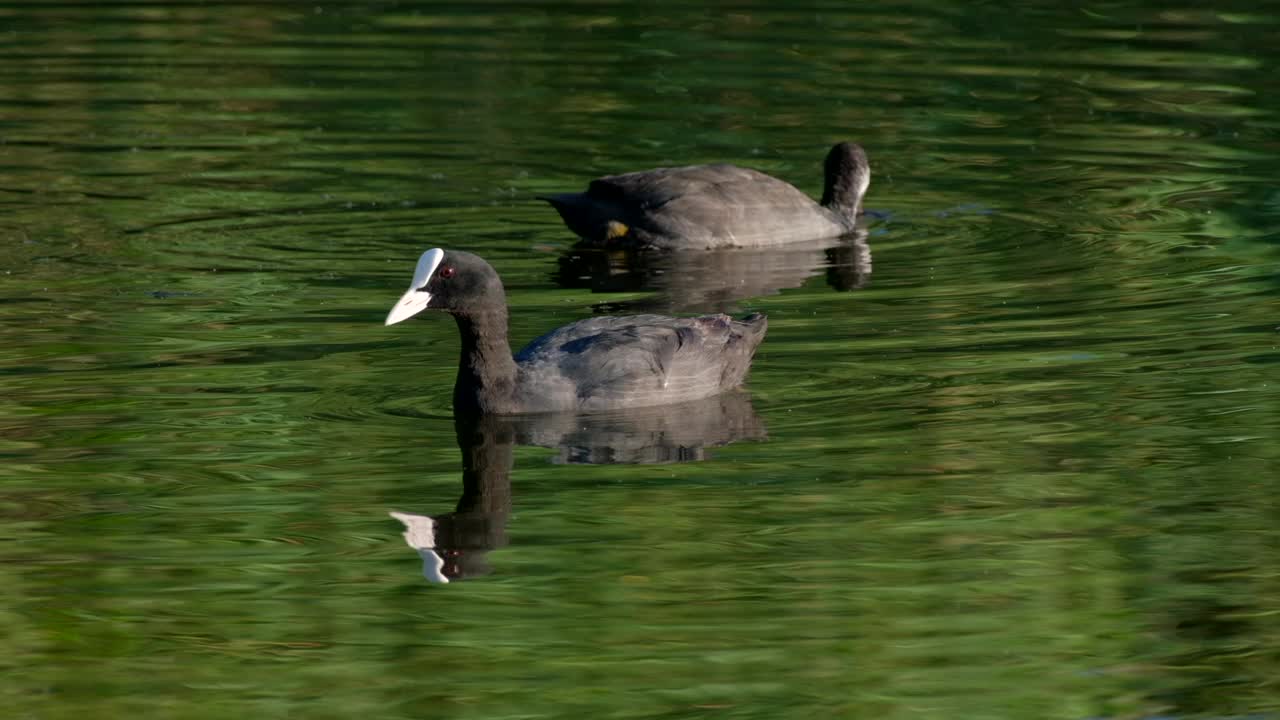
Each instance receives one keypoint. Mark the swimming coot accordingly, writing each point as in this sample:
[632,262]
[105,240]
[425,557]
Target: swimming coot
[712,206]
[601,363]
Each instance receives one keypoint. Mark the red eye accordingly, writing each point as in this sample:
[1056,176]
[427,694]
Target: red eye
[446,272]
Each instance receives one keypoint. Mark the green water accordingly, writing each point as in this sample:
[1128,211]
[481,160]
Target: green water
[1016,460]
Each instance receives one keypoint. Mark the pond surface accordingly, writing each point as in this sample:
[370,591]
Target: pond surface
[1012,456]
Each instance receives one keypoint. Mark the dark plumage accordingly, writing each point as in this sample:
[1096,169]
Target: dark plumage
[712,206]
[597,364]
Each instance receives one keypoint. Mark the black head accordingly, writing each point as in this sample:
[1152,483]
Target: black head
[847,175]
[454,281]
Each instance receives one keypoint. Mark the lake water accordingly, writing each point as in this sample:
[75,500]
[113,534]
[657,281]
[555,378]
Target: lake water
[1013,457]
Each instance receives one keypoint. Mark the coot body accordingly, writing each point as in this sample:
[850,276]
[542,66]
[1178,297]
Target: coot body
[716,206]
[593,365]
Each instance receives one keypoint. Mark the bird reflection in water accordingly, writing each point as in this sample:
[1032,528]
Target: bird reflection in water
[454,545]
[712,280]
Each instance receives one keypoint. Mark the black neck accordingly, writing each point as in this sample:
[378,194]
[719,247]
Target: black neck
[841,196]
[486,371]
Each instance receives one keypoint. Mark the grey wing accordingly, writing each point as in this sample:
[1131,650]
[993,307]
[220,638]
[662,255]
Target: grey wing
[722,203]
[649,189]
[638,359]
[652,190]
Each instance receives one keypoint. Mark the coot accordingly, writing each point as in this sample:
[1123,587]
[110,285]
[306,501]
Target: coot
[601,363]
[712,206]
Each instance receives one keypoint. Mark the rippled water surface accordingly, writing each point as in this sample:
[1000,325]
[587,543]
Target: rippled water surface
[1011,456]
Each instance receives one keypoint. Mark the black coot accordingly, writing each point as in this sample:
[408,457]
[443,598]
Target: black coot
[592,365]
[713,206]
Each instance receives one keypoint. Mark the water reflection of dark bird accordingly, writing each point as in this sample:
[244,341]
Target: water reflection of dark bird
[455,545]
[712,280]
[645,436]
